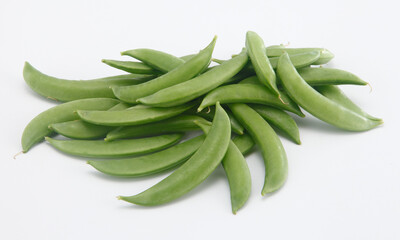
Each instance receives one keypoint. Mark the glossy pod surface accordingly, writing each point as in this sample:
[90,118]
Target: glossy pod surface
[274,155]
[318,105]
[178,75]
[280,120]
[249,93]
[120,148]
[189,90]
[136,115]
[195,170]
[260,62]
[329,76]
[37,128]
[180,123]
[68,90]
[131,67]
[152,163]
[325,54]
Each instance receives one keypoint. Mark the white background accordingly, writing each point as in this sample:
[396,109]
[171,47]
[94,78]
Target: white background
[341,185]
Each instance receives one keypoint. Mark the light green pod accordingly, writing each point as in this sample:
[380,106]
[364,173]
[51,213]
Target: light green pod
[79,129]
[131,67]
[149,164]
[195,170]
[249,93]
[37,128]
[136,115]
[189,90]
[329,76]
[237,171]
[161,61]
[181,123]
[120,148]
[178,75]
[280,120]
[274,155]
[68,90]
[325,56]
[259,60]
[245,143]
[317,104]
[335,94]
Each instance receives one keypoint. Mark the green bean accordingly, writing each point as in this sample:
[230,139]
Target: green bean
[79,129]
[187,57]
[249,93]
[178,75]
[235,124]
[195,170]
[161,61]
[136,115]
[259,60]
[318,105]
[329,76]
[325,56]
[280,120]
[69,90]
[37,128]
[335,94]
[189,90]
[131,67]
[181,123]
[276,165]
[149,164]
[237,172]
[119,148]
[245,143]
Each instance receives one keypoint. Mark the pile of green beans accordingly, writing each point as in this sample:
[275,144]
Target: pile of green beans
[136,122]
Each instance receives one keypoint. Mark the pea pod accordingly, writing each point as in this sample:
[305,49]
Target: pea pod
[236,171]
[244,142]
[120,148]
[79,129]
[280,120]
[37,128]
[189,90]
[161,61]
[131,67]
[325,56]
[275,160]
[136,115]
[149,164]
[68,90]
[318,105]
[195,170]
[329,76]
[178,75]
[249,93]
[181,123]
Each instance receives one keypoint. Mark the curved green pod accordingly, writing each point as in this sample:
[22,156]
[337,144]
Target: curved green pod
[335,94]
[131,67]
[149,164]
[325,54]
[280,120]
[260,62]
[249,93]
[237,171]
[274,155]
[161,61]
[68,90]
[136,115]
[37,128]
[79,129]
[317,104]
[329,76]
[195,170]
[181,123]
[189,90]
[245,143]
[178,75]
[120,148]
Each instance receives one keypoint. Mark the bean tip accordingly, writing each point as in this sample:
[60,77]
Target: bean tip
[119,197]
[15,156]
